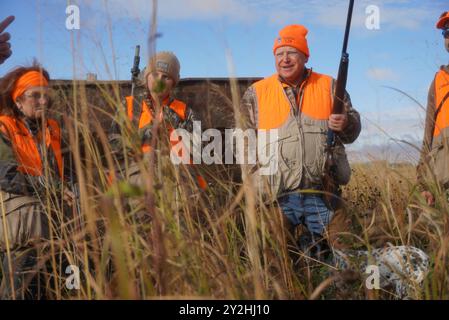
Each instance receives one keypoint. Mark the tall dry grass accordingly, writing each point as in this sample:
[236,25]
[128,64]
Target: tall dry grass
[157,235]
[160,236]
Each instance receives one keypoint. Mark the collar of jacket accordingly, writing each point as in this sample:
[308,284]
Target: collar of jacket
[33,125]
[445,68]
[150,101]
[306,74]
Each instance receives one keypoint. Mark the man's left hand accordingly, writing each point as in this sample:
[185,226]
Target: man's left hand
[338,122]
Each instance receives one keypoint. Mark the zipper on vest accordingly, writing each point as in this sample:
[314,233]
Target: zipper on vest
[51,157]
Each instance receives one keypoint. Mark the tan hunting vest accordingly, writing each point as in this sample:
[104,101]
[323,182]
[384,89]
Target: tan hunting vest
[301,133]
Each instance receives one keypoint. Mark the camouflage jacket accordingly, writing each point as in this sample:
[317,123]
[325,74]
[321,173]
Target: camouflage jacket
[118,124]
[302,158]
[249,112]
[16,182]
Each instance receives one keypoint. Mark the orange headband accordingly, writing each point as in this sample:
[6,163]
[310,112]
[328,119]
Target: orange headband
[29,79]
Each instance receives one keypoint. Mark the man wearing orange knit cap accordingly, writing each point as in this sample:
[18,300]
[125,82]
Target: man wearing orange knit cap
[297,102]
[433,167]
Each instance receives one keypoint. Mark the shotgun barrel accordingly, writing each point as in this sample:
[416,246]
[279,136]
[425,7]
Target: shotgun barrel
[135,69]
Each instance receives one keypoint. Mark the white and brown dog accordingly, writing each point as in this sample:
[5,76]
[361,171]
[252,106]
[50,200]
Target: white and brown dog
[402,268]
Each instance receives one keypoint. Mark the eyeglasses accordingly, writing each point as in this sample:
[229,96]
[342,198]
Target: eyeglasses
[37,96]
[446,33]
[287,53]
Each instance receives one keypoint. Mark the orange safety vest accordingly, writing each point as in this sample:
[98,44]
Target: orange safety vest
[24,144]
[274,107]
[146,117]
[300,140]
[441,89]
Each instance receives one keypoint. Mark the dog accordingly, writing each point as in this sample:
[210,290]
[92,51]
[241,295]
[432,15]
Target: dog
[403,268]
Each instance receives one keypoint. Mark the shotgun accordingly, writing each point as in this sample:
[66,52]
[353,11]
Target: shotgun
[340,87]
[135,70]
[331,188]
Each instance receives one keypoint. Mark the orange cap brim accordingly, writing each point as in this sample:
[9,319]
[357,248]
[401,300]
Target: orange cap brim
[443,22]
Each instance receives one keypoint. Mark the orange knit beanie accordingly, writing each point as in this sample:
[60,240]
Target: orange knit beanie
[294,36]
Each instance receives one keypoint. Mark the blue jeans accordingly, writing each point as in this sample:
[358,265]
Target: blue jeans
[308,209]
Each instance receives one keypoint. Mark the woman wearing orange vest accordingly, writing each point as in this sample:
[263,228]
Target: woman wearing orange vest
[30,162]
[297,102]
[161,76]
[434,162]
